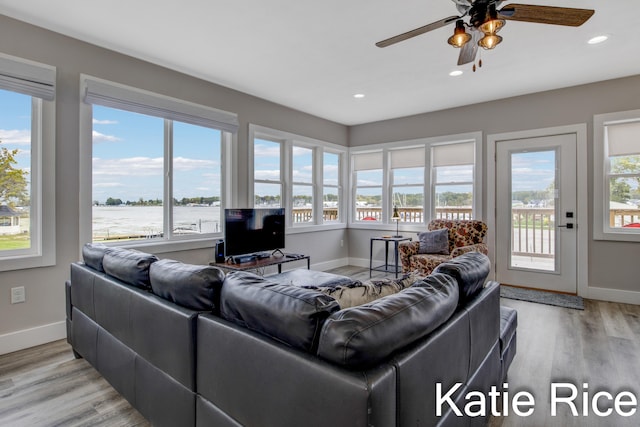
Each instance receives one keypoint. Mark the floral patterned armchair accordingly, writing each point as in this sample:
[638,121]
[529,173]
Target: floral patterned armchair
[464,236]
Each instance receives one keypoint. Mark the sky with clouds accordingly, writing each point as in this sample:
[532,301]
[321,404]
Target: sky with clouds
[128,157]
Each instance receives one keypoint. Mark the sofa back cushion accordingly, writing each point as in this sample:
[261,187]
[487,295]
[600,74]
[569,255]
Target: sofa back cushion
[129,266]
[289,314]
[93,254]
[461,232]
[365,335]
[470,271]
[193,286]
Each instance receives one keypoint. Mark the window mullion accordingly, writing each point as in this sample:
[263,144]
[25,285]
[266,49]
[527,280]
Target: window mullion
[167,203]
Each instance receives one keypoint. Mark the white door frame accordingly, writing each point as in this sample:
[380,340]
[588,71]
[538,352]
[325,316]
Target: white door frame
[582,219]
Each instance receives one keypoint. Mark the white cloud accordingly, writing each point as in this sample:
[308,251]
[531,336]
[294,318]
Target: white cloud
[100,137]
[261,150]
[104,122]
[186,164]
[108,185]
[15,136]
[133,166]
[267,175]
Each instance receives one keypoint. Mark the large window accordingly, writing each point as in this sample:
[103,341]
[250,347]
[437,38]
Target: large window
[331,194]
[452,167]
[423,179]
[302,184]
[157,167]
[367,193]
[301,174]
[267,190]
[617,188]
[407,183]
[27,207]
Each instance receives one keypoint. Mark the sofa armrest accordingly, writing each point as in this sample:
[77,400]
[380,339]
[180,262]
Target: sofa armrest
[479,247]
[406,250]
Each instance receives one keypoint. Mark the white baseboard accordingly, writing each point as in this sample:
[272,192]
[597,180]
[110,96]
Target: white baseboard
[613,295]
[32,337]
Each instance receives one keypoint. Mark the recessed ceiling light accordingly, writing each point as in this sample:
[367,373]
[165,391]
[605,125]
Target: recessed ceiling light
[455,73]
[359,95]
[598,39]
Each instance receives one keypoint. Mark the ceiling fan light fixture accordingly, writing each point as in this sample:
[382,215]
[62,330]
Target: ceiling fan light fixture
[491,24]
[490,41]
[460,36]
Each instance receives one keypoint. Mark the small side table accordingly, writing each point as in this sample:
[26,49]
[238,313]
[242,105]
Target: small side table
[386,267]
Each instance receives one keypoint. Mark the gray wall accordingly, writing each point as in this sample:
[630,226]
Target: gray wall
[612,265]
[45,286]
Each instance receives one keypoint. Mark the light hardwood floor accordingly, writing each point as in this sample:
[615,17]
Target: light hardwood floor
[600,346]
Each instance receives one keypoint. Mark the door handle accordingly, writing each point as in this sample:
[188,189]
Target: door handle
[568,225]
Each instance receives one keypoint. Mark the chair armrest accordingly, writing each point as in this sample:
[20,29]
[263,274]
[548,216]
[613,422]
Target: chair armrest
[478,247]
[406,250]
[409,248]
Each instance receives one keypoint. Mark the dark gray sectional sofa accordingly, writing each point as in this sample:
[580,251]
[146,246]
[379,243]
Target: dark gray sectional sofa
[189,346]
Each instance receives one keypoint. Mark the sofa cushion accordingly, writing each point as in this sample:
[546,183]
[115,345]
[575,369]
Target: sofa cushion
[357,293]
[129,265]
[434,242]
[93,254]
[363,336]
[290,314]
[193,286]
[470,271]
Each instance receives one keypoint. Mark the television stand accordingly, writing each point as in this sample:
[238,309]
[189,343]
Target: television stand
[257,264]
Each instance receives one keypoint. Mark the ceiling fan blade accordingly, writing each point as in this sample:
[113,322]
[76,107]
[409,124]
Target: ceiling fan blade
[424,29]
[470,49]
[546,14]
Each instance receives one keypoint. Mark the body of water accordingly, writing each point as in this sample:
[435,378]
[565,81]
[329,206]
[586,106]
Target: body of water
[117,222]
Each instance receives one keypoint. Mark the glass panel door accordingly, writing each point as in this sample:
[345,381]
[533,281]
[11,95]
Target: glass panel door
[533,213]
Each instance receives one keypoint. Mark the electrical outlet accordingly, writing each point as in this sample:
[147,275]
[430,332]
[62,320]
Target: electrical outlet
[18,295]
[341,243]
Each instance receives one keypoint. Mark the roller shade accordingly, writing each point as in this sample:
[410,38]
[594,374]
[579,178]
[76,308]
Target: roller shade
[453,154]
[113,95]
[28,78]
[623,139]
[407,158]
[367,161]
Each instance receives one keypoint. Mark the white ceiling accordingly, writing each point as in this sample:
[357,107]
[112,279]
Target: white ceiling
[314,56]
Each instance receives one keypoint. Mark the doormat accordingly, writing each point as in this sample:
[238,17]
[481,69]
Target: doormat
[542,297]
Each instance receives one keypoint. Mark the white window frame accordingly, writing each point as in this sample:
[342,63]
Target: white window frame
[119,96]
[370,156]
[288,140]
[601,227]
[387,207]
[392,179]
[37,80]
[281,178]
[435,183]
[338,186]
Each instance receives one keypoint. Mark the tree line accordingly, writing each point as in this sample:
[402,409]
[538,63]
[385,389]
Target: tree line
[185,201]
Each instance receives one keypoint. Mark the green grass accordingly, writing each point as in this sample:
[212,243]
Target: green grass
[22,241]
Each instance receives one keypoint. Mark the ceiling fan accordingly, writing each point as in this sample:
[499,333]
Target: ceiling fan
[480,20]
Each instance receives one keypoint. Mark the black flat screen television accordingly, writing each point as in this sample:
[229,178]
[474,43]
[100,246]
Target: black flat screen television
[252,231]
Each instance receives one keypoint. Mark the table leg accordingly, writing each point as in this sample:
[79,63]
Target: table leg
[395,254]
[386,255]
[370,258]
